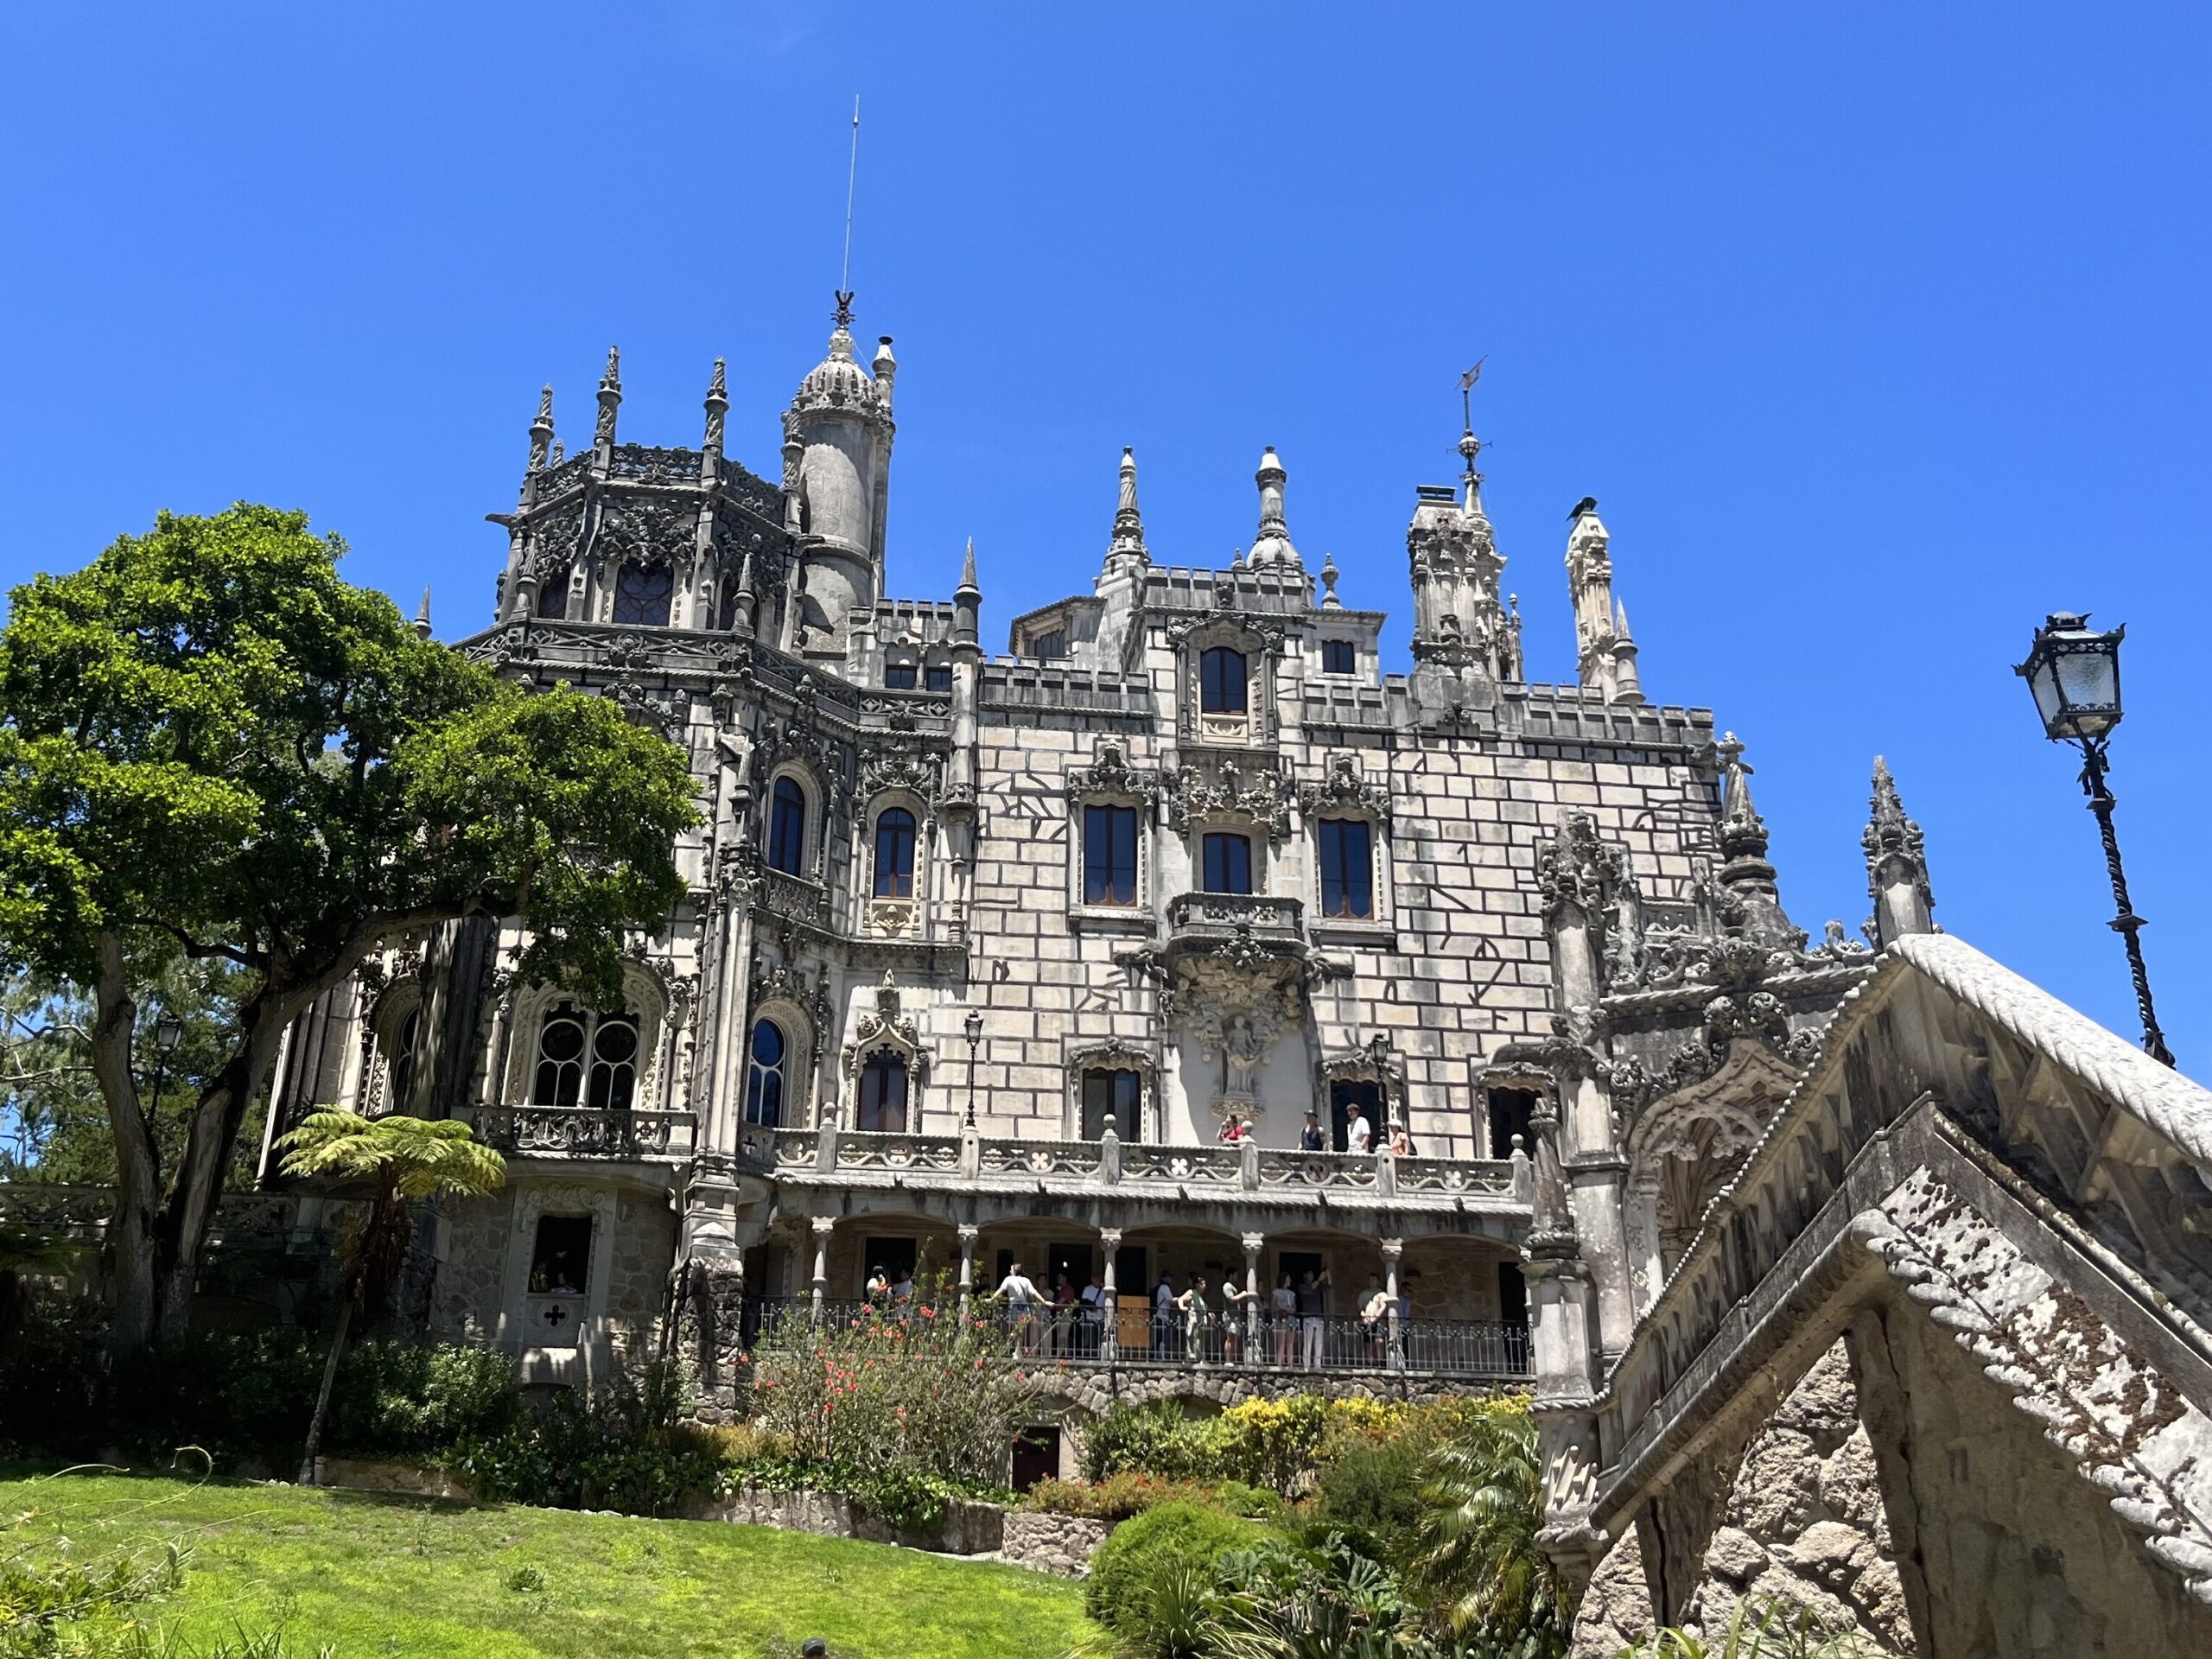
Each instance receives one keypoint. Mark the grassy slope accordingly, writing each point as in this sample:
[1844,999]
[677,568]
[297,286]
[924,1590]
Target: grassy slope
[379,1575]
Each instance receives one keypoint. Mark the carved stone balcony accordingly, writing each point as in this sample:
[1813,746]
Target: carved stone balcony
[1242,922]
[583,1132]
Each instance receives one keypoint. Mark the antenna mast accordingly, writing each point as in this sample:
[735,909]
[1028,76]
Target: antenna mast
[852,176]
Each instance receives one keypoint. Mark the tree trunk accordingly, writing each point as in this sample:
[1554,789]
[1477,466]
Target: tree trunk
[131,1231]
[188,1212]
[323,1394]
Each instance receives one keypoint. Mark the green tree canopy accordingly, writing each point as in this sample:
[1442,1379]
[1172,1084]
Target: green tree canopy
[211,746]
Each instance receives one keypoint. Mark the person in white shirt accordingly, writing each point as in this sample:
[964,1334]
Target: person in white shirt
[1359,1135]
[1373,1316]
[1092,1319]
[1022,1299]
[902,1288]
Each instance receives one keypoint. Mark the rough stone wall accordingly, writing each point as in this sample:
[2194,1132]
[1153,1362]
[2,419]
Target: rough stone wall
[1805,1522]
[637,1290]
[1059,1544]
[465,1303]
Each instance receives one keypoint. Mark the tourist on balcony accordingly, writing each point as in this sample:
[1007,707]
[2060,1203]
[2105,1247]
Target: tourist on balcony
[1359,1135]
[902,1287]
[878,1289]
[1164,1322]
[1284,1314]
[1090,1321]
[1313,1313]
[1065,1301]
[1312,1138]
[1375,1318]
[1233,1129]
[1238,1307]
[1023,1300]
[1400,1142]
[1198,1319]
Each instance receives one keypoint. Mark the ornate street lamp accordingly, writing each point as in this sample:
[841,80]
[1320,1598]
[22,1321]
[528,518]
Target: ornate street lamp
[169,1032]
[2074,673]
[973,1027]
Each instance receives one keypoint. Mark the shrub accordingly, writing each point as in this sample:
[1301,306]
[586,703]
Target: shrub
[1133,1492]
[1173,1540]
[1370,1489]
[396,1398]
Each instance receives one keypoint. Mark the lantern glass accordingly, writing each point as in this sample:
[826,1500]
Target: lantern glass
[2074,675]
[169,1032]
[973,1027]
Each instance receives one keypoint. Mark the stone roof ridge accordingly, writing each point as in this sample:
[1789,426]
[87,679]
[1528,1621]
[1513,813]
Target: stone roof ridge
[2173,1105]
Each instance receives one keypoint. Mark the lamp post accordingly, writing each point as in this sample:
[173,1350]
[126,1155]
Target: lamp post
[2074,673]
[169,1032]
[973,1027]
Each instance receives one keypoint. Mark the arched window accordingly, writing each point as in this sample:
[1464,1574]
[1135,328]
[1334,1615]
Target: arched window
[553,594]
[400,1095]
[586,1058]
[615,1063]
[787,827]
[1347,869]
[764,1080]
[894,854]
[642,594]
[560,1076]
[1221,681]
[883,1095]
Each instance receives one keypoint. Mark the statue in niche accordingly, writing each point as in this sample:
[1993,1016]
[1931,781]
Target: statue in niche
[1242,1049]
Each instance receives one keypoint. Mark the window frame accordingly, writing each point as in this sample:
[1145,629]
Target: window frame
[1343,824]
[881,1062]
[911,834]
[1331,650]
[760,1076]
[903,674]
[1131,1112]
[588,1064]
[1208,841]
[640,570]
[1211,684]
[1113,808]
[801,864]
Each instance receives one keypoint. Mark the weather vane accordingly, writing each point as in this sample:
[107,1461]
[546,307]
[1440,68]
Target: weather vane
[1466,393]
[852,176]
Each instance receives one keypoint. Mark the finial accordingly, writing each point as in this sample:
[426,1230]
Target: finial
[541,430]
[717,407]
[610,399]
[560,453]
[1896,864]
[968,571]
[422,617]
[1272,546]
[1329,600]
[1129,522]
[842,316]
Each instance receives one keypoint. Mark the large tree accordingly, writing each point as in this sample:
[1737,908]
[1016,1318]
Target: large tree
[213,747]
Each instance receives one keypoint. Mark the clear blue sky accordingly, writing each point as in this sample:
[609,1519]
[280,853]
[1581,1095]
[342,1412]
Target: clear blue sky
[1878,330]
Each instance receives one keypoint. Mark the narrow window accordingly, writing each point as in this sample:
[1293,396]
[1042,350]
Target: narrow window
[787,827]
[615,1063]
[1109,855]
[560,1076]
[1046,646]
[1510,1112]
[1338,657]
[553,594]
[894,854]
[401,1094]
[1347,869]
[726,613]
[1512,1294]
[1228,863]
[899,676]
[883,1095]
[1113,1097]
[764,1083]
[642,594]
[559,1256]
[938,677]
[1221,681]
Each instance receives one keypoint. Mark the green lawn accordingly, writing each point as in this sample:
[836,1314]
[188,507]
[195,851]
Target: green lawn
[385,1575]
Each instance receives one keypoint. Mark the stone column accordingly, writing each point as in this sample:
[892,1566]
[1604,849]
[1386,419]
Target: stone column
[1110,1341]
[967,1268]
[1252,1242]
[824,1226]
[1393,1248]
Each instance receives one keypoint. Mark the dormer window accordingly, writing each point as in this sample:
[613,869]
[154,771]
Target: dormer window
[1222,681]
[1047,647]
[1337,656]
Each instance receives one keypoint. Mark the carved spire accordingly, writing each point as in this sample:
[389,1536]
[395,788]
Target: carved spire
[1128,548]
[886,367]
[717,407]
[1745,872]
[541,432]
[1271,547]
[1896,865]
[1627,683]
[610,399]
[422,617]
[1604,657]
[967,602]
[748,595]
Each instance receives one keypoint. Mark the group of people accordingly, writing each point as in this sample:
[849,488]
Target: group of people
[1359,1135]
[1070,1323]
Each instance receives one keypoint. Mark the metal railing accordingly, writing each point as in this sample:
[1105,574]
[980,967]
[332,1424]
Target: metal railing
[1268,1343]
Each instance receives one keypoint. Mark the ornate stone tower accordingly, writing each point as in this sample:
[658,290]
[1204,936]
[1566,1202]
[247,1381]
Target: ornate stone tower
[838,438]
[1466,642]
